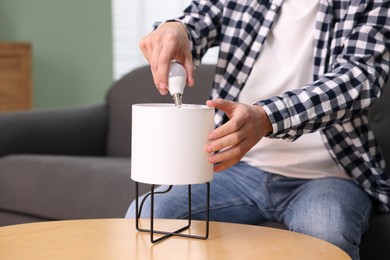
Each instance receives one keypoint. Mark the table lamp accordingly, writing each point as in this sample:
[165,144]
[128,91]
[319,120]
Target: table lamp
[168,149]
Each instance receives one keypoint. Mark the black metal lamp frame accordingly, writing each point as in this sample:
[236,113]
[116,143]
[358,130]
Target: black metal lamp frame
[152,231]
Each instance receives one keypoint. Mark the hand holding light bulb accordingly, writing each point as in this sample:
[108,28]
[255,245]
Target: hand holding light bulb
[176,82]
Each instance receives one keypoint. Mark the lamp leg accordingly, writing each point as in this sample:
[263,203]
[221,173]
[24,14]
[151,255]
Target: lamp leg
[177,232]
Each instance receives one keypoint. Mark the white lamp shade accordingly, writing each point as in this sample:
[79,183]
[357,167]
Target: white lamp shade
[168,144]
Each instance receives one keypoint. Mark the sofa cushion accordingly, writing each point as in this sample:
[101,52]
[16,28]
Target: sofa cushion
[13,218]
[65,187]
[72,131]
[375,242]
[379,118]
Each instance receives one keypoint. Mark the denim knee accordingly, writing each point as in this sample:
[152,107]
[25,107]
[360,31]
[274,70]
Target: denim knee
[335,211]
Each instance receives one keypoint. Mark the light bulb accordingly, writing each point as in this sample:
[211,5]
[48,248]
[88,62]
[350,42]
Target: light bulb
[176,82]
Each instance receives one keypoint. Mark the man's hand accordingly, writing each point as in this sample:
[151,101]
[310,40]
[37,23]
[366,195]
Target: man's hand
[231,141]
[169,41]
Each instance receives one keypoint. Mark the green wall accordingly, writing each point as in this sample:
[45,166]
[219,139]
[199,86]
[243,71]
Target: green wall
[72,50]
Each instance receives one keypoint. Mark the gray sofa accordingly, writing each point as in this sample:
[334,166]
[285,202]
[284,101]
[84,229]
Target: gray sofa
[74,163]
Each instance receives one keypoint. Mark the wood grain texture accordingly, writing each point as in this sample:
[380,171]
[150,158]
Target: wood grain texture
[118,239]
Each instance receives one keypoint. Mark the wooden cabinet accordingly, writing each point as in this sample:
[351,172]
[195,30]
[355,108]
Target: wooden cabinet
[15,76]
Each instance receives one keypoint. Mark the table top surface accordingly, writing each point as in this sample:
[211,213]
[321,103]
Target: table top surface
[118,239]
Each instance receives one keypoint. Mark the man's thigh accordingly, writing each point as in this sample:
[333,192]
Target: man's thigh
[332,209]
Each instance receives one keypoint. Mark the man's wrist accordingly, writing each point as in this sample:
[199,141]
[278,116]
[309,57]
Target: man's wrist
[267,122]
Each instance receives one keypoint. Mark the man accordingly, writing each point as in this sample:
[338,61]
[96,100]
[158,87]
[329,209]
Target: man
[293,83]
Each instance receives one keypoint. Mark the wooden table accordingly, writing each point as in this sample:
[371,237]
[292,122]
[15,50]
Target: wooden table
[111,239]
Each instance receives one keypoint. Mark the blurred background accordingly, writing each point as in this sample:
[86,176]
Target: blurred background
[79,47]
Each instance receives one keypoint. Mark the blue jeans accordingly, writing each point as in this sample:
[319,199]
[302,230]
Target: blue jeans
[332,209]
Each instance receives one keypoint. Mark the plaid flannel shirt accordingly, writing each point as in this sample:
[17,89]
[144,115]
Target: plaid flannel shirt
[351,66]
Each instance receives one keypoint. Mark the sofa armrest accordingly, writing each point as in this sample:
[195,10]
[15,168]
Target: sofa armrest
[64,131]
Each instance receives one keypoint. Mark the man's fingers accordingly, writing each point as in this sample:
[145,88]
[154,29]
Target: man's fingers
[229,156]
[169,41]
[189,67]
[226,141]
[229,127]
[224,105]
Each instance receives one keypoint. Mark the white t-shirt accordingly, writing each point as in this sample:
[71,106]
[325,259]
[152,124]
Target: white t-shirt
[282,67]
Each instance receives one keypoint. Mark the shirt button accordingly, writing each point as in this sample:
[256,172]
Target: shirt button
[239,82]
[273,7]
